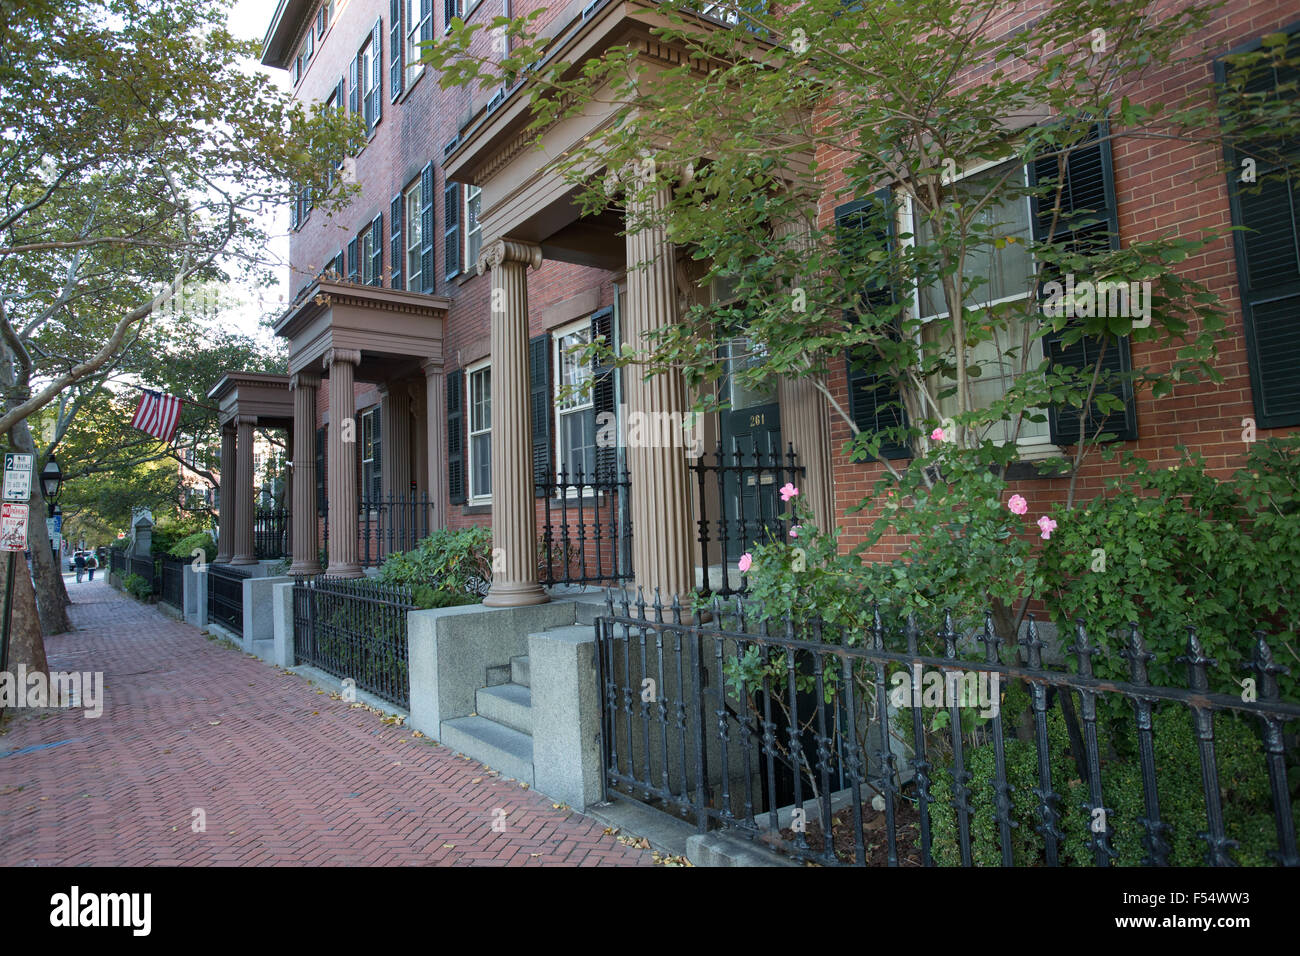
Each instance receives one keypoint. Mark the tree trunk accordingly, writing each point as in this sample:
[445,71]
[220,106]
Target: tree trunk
[51,595]
[26,646]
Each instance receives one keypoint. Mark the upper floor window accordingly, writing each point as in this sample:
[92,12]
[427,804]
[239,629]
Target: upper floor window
[479,383]
[366,80]
[419,17]
[323,17]
[575,421]
[414,237]
[366,249]
[473,228]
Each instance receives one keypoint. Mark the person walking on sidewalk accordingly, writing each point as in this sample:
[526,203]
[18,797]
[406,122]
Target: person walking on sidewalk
[79,562]
[91,563]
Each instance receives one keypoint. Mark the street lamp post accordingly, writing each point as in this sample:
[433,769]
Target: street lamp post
[52,482]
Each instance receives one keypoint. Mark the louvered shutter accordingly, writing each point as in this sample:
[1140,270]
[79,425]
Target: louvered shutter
[427,277]
[377,250]
[377,46]
[426,27]
[539,406]
[398,253]
[320,471]
[875,401]
[450,10]
[354,86]
[293,212]
[451,229]
[1268,260]
[456,437]
[340,265]
[604,396]
[1087,223]
[353,275]
[395,52]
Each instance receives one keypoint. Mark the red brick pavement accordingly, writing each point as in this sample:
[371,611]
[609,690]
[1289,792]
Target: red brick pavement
[284,774]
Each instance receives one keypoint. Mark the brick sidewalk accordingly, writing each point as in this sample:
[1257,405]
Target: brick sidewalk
[284,774]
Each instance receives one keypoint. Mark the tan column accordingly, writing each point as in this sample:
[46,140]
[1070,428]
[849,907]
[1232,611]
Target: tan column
[435,441]
[395,424]
[514,538]
[805,416]
[342,469]
[306,530]
[662,537]
[245,505]
[226,516]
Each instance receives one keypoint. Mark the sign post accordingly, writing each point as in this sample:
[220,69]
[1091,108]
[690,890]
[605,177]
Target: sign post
[14,513]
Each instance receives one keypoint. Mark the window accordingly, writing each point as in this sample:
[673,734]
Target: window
[323,17]
[473,228]
[1009,277]
[372,480]
[309,48]
[575,419]
[450,10]
[366,256]
[419,21]
[480,431]
[366,81]
[414,237]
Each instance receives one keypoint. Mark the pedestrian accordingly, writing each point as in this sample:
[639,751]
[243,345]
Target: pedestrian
[91,563]
[79,562]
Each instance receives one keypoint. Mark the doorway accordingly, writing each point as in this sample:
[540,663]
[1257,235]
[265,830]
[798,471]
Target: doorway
[750,428]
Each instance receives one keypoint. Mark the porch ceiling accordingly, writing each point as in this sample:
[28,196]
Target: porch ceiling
[254,393]
[394,330]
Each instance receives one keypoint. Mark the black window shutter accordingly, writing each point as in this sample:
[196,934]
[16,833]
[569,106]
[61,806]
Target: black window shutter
[603,394]
[1087,222]
[354,86]
[377,250]
[340,265]
[320,471]
[450,10]
[456,437]
[1268,263]
[377,46]
[398,253]
[539,405]
[427,278]
[293,212]
[875,402]
[426,28]
[395,53]
[451,229]
[353,274]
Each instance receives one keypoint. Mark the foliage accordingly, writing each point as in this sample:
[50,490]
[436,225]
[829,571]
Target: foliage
[453,561]
[185,547]
[137,586]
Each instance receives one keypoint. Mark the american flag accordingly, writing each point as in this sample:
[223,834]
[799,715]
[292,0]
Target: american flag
[158,414]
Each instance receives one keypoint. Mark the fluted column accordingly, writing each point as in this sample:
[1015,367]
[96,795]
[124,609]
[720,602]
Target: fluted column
[514,579]
[306,530]
[246,507]
[662,553]
[395,424]
[805,416]
[435,440]
[343,436]
[226,516]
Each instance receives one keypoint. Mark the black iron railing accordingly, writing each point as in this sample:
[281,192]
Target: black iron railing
[586,528]
[271,533]
[354,628]
[226,596]
[147,568]
[388,524]
[116,562]
[903,747]
[173,581]
[739,506]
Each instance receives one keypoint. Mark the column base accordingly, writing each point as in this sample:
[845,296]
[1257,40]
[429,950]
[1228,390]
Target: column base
[243,559]
[221,559]
[345,571]
[516,594]
[306,569]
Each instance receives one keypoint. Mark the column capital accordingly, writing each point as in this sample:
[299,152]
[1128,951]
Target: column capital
[501,251]
[348,356]
[304,380]
[246,419]
[432,367]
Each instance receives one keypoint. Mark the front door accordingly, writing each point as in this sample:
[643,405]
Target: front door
[751,425]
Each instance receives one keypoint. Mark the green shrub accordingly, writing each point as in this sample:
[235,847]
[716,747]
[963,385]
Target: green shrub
[137,586]
[184,548]
[457,562]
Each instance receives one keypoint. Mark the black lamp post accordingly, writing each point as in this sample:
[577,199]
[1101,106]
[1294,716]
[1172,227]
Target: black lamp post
[52,482]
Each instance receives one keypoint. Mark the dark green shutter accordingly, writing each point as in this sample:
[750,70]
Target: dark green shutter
[293,211]
[426,28]
[397,251]
[353,274]
[354,86]
[377,250]
[539,406]
[395,52]
[456,437]
[451,229]
[320,471]
[875,401]
[603,393]
[1268,260]
[427,278]
[377,51]
[340,265]
[1088,223]
[450,10]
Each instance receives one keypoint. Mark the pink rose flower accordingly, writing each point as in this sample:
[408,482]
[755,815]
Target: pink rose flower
[936,435]
[794,531]
[745,561]
[1047,526]
[788,491]
[1018,505]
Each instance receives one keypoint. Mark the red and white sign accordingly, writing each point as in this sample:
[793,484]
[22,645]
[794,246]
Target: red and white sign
[13,527]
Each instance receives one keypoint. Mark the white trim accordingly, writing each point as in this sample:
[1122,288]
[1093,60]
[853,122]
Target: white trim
[556,335]
[413,191]
[468,193]
[470,433]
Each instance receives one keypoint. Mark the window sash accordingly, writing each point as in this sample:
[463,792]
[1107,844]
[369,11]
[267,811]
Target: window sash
[366,247]
[417,12]
[414,238]
[473,228]
[479,386]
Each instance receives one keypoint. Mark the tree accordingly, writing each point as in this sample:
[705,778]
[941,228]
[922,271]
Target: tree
[139,153]
[904,116]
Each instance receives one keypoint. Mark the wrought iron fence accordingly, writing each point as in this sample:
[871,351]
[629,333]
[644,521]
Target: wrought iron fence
[354,628]
[388,524]
[743,491]
[226,596]
[270,533]
[586,528]
[147,568]
[173,581]
[116,562]
[890,746]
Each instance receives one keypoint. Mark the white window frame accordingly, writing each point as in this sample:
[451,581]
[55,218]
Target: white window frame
[1033,446]
[365,75]
[478,368]
[414,69]
[558,414]
[412,204]
[366,256]
[471,193]
[369,418]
